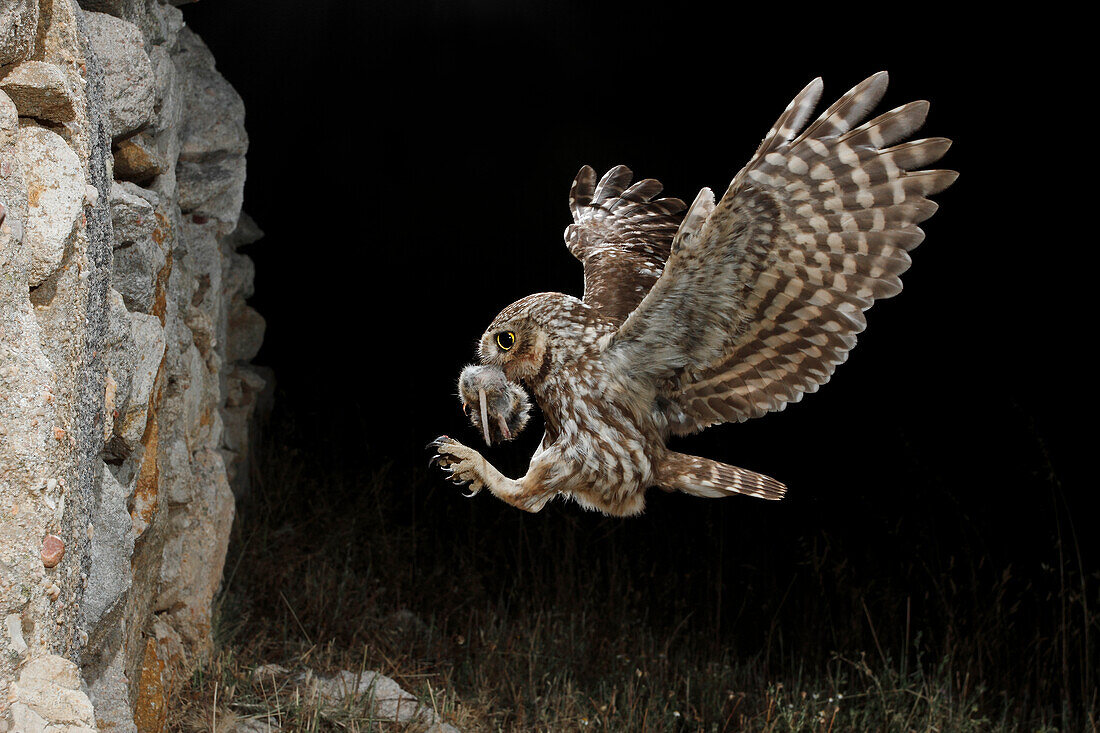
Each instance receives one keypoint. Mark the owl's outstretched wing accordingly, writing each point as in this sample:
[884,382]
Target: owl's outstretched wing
[763,294]
[621,235]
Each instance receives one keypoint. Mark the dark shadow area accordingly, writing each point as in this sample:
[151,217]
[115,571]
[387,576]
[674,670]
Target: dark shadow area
[409,163]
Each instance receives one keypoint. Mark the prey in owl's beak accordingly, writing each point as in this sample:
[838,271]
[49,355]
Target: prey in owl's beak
[496,406]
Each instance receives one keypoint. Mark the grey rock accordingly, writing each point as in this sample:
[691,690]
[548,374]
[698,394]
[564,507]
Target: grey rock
[247,232]
[215,112]
[110,697]
[205,310]
[139,255]
[169,101]
[109,574]
[159,23]
[210,170]
[194,555]
[212,187]
[130,93]
[239,275]
[135,347]
[246,388]
[18,28]
[146,350]
[245,333]
[176,473]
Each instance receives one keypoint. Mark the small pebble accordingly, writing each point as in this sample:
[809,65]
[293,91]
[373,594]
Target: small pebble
[53,549]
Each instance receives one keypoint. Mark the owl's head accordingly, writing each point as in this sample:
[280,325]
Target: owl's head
[515,341]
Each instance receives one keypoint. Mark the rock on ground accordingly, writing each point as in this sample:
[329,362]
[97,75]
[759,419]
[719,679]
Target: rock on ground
[386,699]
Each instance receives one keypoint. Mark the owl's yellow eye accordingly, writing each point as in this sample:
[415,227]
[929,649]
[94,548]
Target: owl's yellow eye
[506,340]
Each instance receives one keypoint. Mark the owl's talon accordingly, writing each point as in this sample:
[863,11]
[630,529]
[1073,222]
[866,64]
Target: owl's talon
[458,466]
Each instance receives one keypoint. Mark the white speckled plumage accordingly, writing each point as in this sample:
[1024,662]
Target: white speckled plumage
[718,314]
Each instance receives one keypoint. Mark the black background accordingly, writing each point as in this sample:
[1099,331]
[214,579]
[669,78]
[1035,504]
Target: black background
[409,163]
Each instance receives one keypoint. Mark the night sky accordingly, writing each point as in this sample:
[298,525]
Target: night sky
[410,162]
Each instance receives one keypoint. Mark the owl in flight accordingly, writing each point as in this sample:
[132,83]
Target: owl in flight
[698,315]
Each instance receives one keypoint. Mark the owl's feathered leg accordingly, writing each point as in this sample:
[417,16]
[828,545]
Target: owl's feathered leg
[466,466]
[704,477]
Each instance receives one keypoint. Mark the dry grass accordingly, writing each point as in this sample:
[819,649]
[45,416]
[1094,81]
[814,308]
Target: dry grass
[566,621]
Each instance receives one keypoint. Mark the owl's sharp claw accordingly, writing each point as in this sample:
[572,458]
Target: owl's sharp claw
[437,442]
[455,469]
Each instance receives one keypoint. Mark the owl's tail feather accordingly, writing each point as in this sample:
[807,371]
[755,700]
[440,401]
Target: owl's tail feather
[704,477]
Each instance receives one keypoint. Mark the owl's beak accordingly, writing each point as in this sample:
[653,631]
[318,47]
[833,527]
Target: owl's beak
[484,416]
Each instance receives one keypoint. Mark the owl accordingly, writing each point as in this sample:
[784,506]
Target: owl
[698,315]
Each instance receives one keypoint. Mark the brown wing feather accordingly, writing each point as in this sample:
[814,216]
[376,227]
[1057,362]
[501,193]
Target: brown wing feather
[621,235]
[847,210]
[763,293]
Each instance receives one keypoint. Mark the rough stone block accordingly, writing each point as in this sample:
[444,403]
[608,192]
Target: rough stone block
[110,696]
[40,90]
[47,698]
[18,28]
[135,348]
[210,170]
[246,332]
[112,546]
[139,254]
[13,196]
[138,159]
[130,93]
[191,569]
[55,195]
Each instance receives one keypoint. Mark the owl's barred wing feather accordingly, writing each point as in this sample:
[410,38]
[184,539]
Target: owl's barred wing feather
[759,303]
[621,235]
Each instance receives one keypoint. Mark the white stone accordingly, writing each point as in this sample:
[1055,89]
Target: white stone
[55,196]
[14,626]
[386,698]
[47,698]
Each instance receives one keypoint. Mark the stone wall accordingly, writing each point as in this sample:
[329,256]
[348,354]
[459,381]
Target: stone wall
[125,390]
